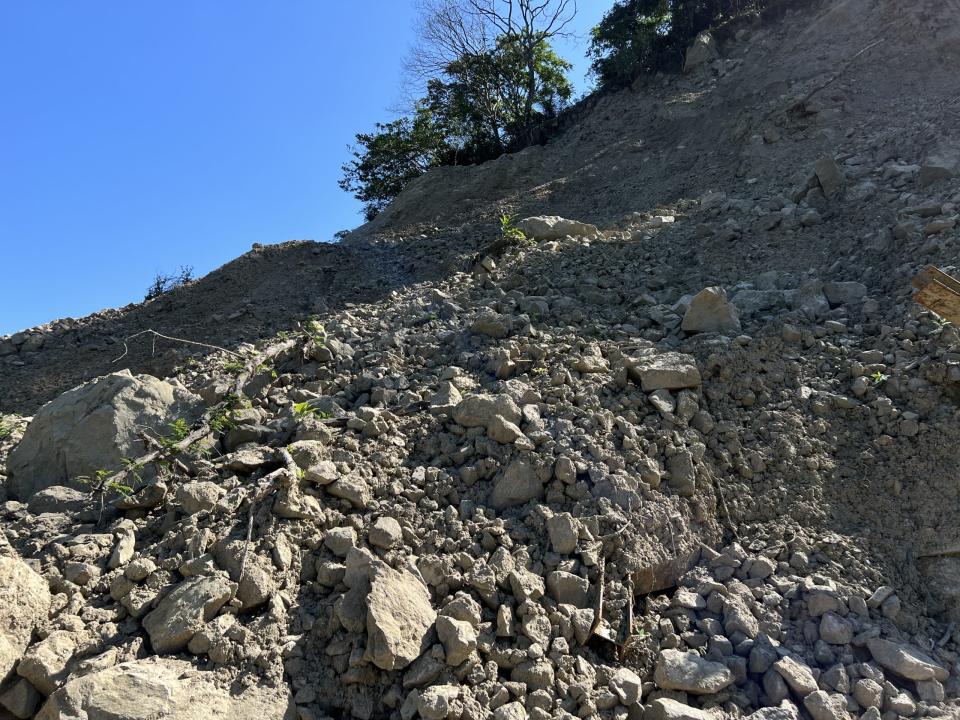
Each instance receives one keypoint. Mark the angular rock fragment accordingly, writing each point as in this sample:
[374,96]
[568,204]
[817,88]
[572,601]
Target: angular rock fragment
[710,311]
[688,672]
[163,688]
[184,611]
[519,484]
[670,370]
[24,605]
[400,618]
[906,661]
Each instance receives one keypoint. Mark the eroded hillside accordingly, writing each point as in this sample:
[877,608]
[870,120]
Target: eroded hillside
[692,455]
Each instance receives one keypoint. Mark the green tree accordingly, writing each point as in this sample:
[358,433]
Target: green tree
[642,36]
[483,98]
[386,160]
[475,110]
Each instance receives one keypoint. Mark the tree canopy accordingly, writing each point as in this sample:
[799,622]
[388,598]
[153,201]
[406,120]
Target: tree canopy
[642,36]
[488,76]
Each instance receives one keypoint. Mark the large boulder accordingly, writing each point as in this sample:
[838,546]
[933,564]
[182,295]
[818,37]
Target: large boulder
[163,688]
[669,370]
[710,311]
[519,484]
[93,427]
[24,604]
[552,227]
[702,50]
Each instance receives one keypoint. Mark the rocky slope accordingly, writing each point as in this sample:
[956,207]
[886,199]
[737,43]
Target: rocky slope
[695,460]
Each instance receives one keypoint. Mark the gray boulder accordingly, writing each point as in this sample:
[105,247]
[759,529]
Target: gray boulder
[163,688]
[400,618]
[93,427]
[710,311]
[906,661]
[669,370]
[702,50]
[518,484]
[669,709]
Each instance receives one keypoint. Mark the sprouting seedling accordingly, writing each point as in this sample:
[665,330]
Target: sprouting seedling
[879,378]
[103,483]
[234,366]
[510,231]
[305,409]
[943,323]
[8,425]
[316,330]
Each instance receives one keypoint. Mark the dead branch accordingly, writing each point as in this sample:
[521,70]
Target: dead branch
[126,349]
[836,76]
[251,367]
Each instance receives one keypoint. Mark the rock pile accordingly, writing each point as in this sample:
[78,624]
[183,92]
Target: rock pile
[610,472]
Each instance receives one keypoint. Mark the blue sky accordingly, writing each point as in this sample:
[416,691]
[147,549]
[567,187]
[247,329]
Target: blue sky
[136,137]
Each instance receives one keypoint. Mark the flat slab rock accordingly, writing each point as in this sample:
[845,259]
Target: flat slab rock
[669,709]
[690,673]
[670,371]
[162,688]
[553,227]
[906,661]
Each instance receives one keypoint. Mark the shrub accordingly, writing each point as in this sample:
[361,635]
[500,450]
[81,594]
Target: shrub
[164,283]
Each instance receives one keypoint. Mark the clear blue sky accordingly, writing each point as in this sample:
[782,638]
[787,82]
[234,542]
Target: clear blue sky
[136,137]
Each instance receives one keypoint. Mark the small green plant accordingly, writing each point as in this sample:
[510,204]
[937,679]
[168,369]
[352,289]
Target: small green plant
[539,371]
[8,425]
[222,421]
[943,323]
[102,483]
[510,231]
[132,467]
[179,429]
[316,331]
[234,366]
[879,378]
[303,410]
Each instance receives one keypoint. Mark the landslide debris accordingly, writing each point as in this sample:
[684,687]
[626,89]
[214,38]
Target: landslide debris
[690,455]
